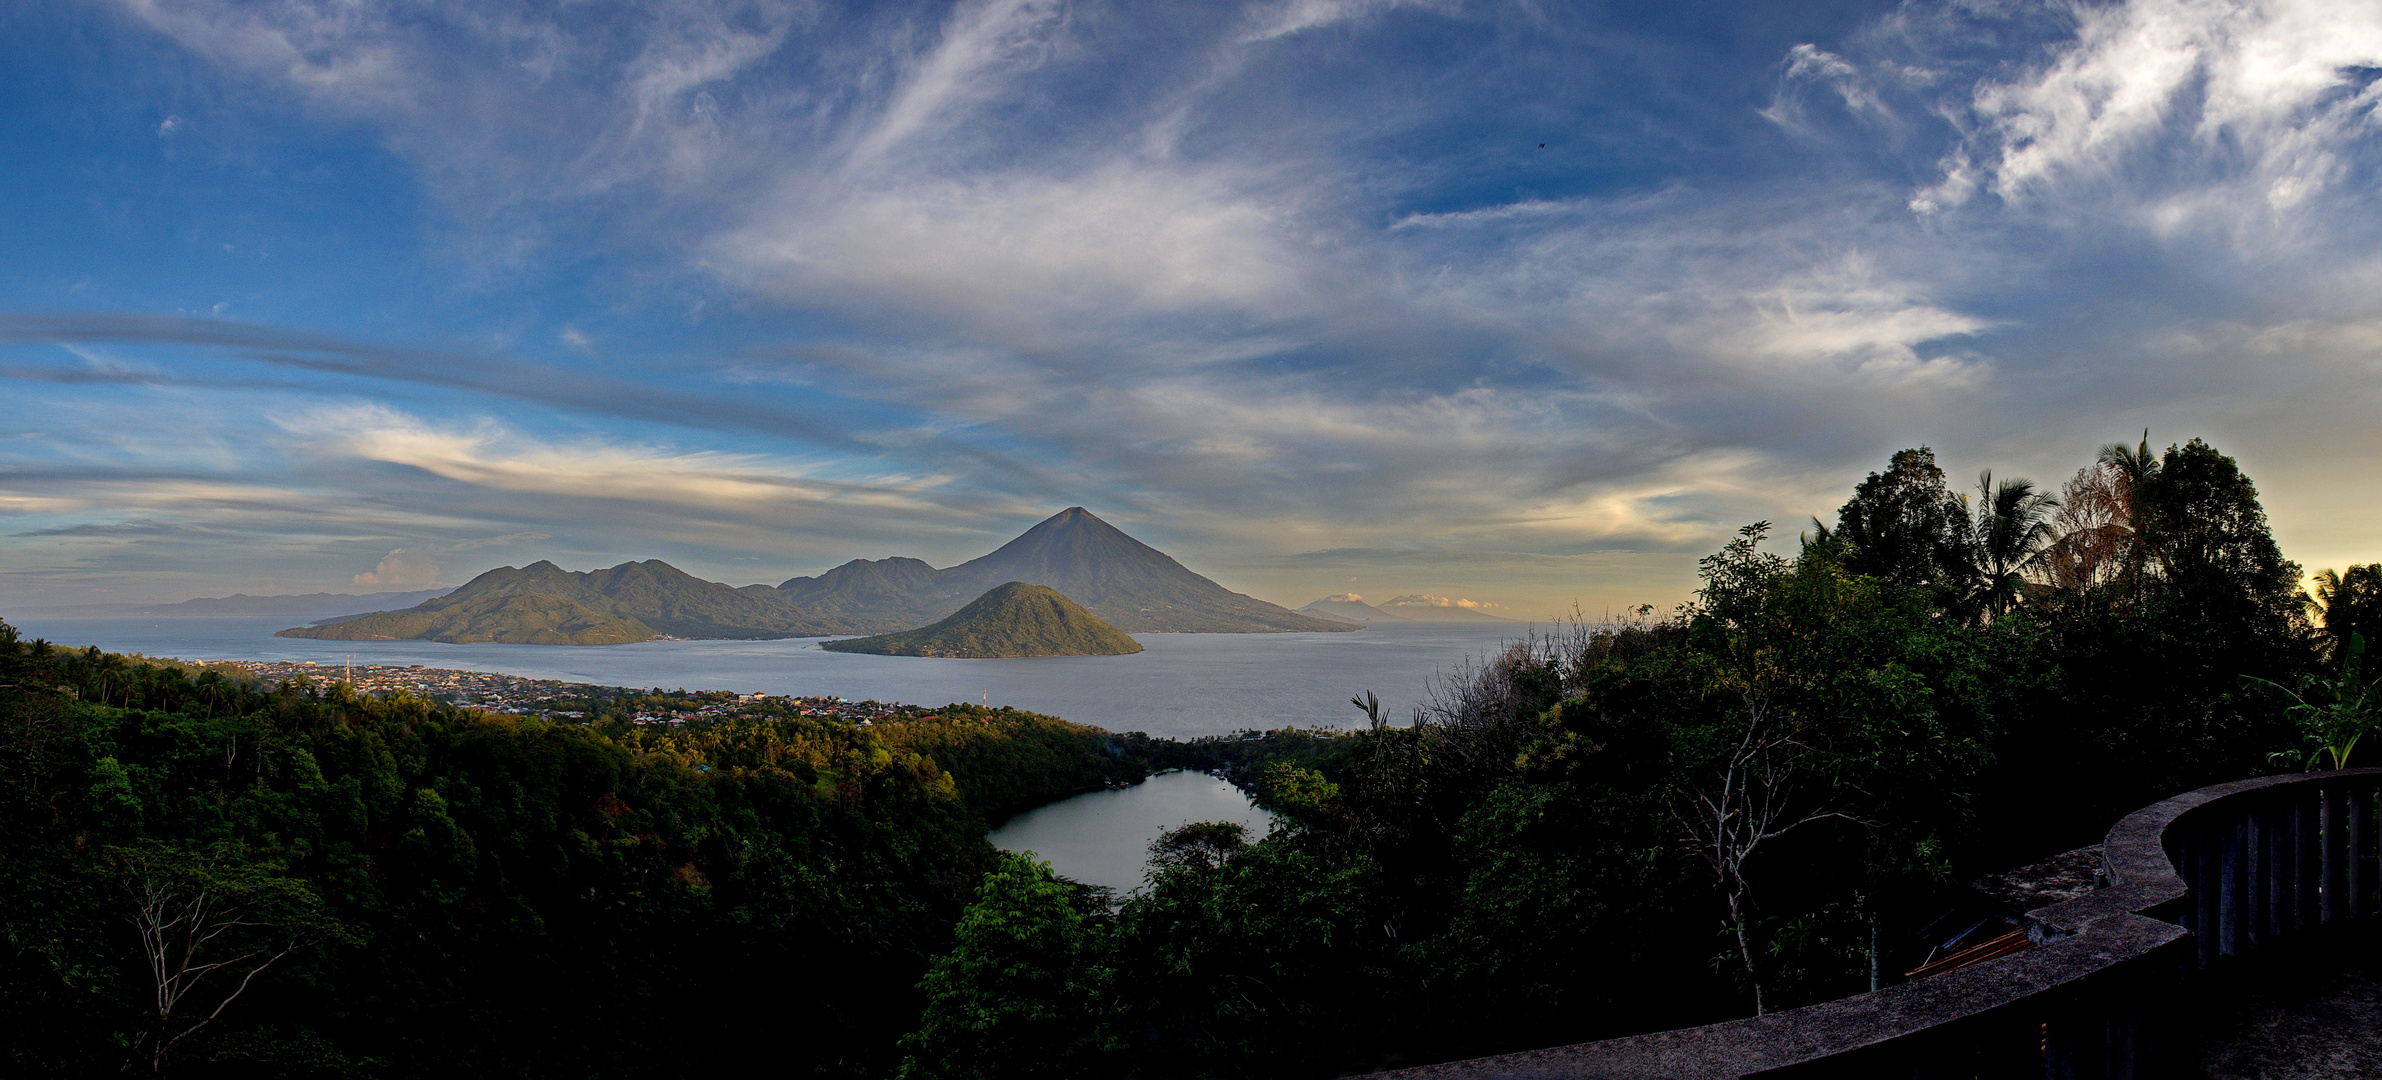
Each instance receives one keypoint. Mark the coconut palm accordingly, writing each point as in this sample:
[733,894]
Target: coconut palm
[2136,463]
[2136,467]
[2012,527]
[2348,603]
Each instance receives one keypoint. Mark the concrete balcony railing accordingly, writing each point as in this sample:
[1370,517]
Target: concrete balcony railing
[2207,875]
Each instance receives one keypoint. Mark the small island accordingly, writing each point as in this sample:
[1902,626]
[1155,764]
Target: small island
[1014,619]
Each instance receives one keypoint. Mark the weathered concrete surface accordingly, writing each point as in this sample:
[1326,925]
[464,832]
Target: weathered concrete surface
[2313,1028]
[2106,945]
[1866,1031]
[2021,889]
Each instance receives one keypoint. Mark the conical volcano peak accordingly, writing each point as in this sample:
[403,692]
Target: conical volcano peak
[1134,586]
[1131,585]
[1072,519]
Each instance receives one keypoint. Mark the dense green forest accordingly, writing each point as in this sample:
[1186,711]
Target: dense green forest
[1745,803]
[424,891]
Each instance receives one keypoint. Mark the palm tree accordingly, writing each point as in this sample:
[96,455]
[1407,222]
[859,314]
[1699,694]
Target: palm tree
[2013,526]
[2136,467]
[2135,463]
[2348,603]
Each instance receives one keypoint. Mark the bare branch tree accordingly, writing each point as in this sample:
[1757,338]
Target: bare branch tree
[209,925]
[1764,781]
[1763,790]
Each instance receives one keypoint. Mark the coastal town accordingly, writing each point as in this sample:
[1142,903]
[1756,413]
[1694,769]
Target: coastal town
[564,702]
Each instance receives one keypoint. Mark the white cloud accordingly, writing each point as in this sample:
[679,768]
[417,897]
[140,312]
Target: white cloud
[488,456]
[982,41]
[2260,89]
[1809,64]
[1847,317]
[1426,600]
[402,568]
[1117,268]
[1029,250]
[1274,20]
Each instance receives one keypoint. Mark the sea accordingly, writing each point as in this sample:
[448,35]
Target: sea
[1180,686]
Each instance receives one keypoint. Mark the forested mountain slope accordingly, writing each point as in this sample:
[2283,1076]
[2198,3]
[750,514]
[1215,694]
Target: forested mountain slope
[506,618]
[1013,619]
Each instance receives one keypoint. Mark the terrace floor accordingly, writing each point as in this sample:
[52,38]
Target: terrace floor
[2312,1021]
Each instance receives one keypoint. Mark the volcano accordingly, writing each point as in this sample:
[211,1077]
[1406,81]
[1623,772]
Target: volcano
[1128,584]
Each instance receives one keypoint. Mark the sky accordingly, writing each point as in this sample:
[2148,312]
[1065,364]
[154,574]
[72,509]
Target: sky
[1525,304]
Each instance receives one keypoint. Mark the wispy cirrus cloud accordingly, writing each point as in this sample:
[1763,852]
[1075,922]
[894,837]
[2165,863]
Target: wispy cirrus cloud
[1303,274]
[487,455]
[143,527]
[2261,96]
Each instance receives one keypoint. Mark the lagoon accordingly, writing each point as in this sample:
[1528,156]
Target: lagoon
[1181,686]
[1103,837]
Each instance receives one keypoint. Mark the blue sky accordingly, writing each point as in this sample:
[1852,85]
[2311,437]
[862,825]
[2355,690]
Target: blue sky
[1525,303]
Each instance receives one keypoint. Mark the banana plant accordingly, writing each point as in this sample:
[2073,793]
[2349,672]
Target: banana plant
[2333,714]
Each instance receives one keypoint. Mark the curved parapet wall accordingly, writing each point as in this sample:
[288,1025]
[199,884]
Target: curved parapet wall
[2204,875]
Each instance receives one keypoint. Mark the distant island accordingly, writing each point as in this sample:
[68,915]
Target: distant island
[307,606]
[1352,608]
[1014,619]
[1127,584]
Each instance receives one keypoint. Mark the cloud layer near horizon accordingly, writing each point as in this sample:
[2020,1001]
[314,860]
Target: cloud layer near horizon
[1444,288]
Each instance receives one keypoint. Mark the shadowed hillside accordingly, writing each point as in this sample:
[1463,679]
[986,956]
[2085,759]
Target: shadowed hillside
[652,596]
[504,618]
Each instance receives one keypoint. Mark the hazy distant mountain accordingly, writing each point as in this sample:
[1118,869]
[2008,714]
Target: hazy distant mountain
[653,595]
[1133,586]
[1014,619]
[1127,583]
[1349,608]
[1418,608]
[888,594]
[506,618]
[307,606]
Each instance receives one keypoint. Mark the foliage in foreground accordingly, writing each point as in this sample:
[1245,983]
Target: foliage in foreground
[405,889]
[1747,804]
[1750,804]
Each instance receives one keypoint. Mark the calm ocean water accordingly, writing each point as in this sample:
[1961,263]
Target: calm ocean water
[1181,685]
[1103,837]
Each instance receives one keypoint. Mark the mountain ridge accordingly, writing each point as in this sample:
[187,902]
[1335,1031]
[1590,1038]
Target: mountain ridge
[293,605]
[1348,607]
[1128,584]
[514,618]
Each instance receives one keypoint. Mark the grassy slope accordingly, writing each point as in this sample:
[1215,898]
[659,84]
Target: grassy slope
[511,619]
